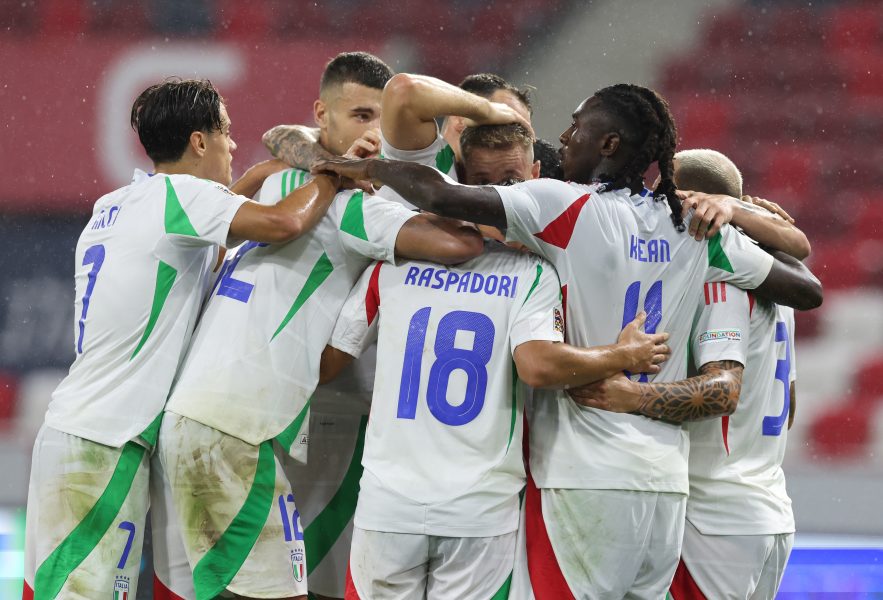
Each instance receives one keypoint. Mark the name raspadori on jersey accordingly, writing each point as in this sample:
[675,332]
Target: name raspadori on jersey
[468,282]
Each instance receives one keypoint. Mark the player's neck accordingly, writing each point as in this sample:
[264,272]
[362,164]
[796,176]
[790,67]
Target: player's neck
[178,167]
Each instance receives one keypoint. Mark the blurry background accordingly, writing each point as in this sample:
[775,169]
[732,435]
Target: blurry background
[792,91]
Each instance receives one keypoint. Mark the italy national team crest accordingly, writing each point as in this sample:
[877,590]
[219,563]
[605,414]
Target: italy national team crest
[297,565]
[121,588]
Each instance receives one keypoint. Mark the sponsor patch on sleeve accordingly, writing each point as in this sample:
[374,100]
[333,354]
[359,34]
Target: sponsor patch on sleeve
[720,335]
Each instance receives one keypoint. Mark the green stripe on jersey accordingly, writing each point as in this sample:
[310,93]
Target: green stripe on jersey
[323,532]
[444,159]
[285,175]
[353,221]
[165,279]
[535,283]
[176,219]
[321,270]
[150,434]
[74,549]
[503,592]
[716,255]
[217,568]
[289,434]
[514,405]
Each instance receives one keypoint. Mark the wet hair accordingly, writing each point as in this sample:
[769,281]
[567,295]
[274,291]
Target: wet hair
[550,161]
[356,67]
[708,171]
[646,125]
[495,136]
[164,115]
[485,84]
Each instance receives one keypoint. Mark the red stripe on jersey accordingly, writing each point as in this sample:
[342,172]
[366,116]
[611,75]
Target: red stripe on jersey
[546,578]
[707,296]
[372,297]
[559,231]
[350,593]
[714,292]
[723,291]
[725,429]
[683,587]
[27,593]
[750,304]
[161,592]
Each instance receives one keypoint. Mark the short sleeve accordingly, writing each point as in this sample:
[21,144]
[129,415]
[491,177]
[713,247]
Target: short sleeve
[541,210]
[369,226]
[199,212]
[723,325]
[733,257]
[280,184]
[439,155]
[356,326]
[540,316]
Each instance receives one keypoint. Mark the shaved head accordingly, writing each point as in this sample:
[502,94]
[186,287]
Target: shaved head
[709,171]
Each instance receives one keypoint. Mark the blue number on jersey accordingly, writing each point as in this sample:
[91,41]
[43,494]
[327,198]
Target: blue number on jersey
[447,360]
[652,306]
[234,288]
[773,425]
[94,256]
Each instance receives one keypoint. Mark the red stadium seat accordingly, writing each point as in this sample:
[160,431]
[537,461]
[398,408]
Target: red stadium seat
[842,432]
[8,396]
[854,26]
[838,265]
[868,387]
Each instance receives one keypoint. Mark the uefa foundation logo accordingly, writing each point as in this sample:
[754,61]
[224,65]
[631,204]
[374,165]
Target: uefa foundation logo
[121,588]
[297,565]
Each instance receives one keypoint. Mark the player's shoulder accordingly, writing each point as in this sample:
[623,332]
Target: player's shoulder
[184,184]
[503,257]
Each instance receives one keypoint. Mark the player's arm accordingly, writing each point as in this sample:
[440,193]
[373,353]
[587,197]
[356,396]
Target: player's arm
[547,364]
[792,405]
[437,239]
[251,181]
[332,363]
[288,219]
[762,220]
[425,188]
[791,283]
[712,393]
[296,145]
[411,103]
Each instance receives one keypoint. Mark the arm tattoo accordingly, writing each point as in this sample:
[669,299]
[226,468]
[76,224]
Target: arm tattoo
[295,144]
[713,393]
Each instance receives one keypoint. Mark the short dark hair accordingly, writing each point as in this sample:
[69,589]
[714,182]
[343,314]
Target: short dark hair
[164,115]
[550,161]
[485,84]
[356,67]
[495,136]
[708,171]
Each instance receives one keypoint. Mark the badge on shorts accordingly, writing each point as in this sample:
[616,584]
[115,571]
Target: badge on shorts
[121,588]
[297,564]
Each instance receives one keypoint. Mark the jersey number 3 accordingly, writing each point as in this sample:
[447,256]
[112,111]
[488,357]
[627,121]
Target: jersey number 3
[773,425]
[448,359]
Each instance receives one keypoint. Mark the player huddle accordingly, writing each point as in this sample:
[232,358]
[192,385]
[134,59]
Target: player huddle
[571,386]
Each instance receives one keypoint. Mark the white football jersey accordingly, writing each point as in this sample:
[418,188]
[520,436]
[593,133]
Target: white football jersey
[439,155]
[253,362]
[737,486]
[618,254]
[443,449]
[142,264]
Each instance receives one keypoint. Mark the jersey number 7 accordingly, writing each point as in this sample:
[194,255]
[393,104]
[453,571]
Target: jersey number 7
[447,360]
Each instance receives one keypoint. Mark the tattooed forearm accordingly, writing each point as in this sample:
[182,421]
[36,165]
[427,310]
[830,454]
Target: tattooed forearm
[713,393]
[295,144]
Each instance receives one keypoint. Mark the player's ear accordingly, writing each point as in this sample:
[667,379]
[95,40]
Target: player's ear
[197,143]
[535,170]
[320,114]
[610,143]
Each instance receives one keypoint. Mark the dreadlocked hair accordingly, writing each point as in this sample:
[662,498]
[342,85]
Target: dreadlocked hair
[650,128]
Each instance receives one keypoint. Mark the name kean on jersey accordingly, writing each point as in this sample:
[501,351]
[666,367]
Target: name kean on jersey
[655,251]
[469,282]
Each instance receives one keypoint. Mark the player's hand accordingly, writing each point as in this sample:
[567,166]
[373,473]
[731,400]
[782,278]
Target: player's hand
[365,146]
[710,212]
[352,169]
[646,350]
[768,205]
[614,394]
[501,114]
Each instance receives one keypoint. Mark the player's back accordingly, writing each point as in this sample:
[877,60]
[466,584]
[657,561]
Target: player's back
[618,254]
[445,426]
[142,262]
[736,462]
